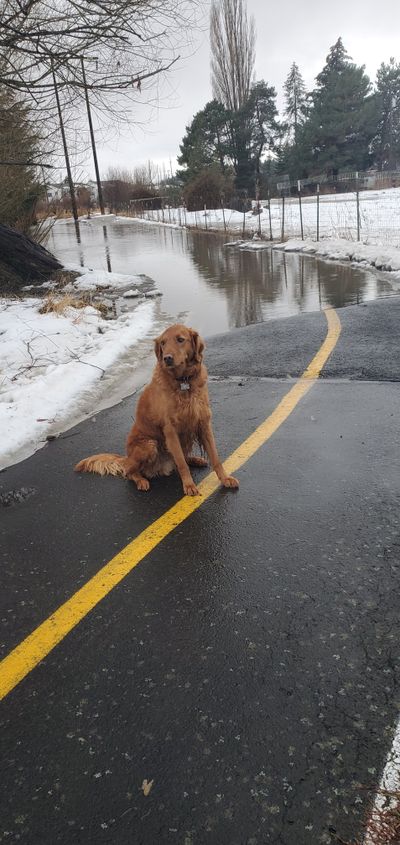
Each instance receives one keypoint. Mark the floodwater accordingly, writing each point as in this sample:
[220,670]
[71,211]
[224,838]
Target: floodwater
[210,286]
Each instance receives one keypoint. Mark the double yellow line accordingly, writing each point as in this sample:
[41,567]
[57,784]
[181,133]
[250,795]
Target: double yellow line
[46,636]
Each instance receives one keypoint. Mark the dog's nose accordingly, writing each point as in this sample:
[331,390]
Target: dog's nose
[168,360]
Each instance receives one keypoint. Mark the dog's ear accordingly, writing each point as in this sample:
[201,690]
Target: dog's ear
[157,348]
[198,346]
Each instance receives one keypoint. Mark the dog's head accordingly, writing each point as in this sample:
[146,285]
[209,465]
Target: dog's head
[179,347]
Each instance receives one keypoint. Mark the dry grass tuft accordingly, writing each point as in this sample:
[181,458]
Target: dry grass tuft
[59,304]
[64,277]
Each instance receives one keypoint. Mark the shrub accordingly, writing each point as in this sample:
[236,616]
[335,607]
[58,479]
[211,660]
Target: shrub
[207,189]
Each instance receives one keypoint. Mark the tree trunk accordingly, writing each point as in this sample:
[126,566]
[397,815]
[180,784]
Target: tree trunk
[23,261]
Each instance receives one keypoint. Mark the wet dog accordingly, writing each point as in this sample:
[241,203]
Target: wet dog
[172,415]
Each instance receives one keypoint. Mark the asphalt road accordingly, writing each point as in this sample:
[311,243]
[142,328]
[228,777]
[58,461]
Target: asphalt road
[249,665]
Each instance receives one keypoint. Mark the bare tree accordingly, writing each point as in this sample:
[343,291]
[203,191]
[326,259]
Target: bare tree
[232,39]
[124,42]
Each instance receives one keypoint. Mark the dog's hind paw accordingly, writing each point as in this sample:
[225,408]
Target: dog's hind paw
[143,484]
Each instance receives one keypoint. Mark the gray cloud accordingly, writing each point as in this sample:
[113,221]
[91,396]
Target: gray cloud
[286,32]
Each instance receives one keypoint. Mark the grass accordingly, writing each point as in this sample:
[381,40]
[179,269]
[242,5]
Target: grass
[54,304]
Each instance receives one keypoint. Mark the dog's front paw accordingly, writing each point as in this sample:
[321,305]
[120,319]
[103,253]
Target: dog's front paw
[191,489]
[231,482]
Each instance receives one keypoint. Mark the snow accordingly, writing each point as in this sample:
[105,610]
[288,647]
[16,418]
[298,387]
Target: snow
[379,217]
[335,249]
[56,368]
[92,279]
[379,245]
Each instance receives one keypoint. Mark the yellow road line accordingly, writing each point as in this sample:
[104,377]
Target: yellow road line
[46,636]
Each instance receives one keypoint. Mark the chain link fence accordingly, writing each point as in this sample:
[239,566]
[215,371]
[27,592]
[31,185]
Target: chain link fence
[361,207]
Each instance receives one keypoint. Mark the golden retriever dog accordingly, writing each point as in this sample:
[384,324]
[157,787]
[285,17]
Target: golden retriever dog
[172,415]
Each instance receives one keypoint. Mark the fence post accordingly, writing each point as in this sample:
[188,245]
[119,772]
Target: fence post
[358,207]
[283,218]
[270,219]
[205,216]
[317,212]
[169,211]
[223,211]
[184,215]
[162,210]
[300,209]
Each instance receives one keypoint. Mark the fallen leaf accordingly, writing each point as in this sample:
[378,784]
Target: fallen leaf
[146,786]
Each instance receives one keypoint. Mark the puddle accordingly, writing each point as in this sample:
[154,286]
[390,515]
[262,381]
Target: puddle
[211,287]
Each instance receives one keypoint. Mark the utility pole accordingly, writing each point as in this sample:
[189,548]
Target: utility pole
[96,166]
[67,163]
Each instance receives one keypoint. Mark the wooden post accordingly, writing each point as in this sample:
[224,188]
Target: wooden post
[96,165]
[205,216]
[317,212]
[358,207]
[66,156]
[283,218]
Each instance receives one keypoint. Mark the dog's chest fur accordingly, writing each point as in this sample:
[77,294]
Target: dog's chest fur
[190,406]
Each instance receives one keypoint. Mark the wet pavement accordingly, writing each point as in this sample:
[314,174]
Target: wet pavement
[249,666]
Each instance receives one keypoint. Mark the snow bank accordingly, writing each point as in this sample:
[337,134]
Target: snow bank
[54,368]
[379,217]
[381,258]
[335,249]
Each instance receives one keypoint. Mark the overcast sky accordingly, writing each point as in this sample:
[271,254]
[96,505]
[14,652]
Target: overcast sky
[287,31]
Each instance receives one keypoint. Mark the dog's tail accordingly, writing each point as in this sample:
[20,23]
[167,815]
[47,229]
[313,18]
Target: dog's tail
[104,464]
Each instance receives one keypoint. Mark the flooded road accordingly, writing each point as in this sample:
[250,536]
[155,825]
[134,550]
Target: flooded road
[209,285]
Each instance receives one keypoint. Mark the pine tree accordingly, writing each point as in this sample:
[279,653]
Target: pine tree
[386,143]
[19,143]
[341,123]
[259,120]
[295,102]
[206,141]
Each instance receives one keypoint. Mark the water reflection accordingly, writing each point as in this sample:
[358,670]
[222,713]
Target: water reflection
[213,286]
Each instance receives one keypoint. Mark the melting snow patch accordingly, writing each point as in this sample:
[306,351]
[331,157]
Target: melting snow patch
[53,367]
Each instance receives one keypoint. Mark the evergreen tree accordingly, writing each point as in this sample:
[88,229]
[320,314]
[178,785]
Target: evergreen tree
[386,143]
[207,141]
[295,102]
[19,143]
[340,127]
[257,131]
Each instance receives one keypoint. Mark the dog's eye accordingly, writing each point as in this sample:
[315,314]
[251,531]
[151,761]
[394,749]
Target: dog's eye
[180,339]
[162,343]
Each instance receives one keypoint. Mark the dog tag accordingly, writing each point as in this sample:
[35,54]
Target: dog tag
[185,385]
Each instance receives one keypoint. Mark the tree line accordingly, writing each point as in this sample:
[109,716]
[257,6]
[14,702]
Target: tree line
[238,141]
